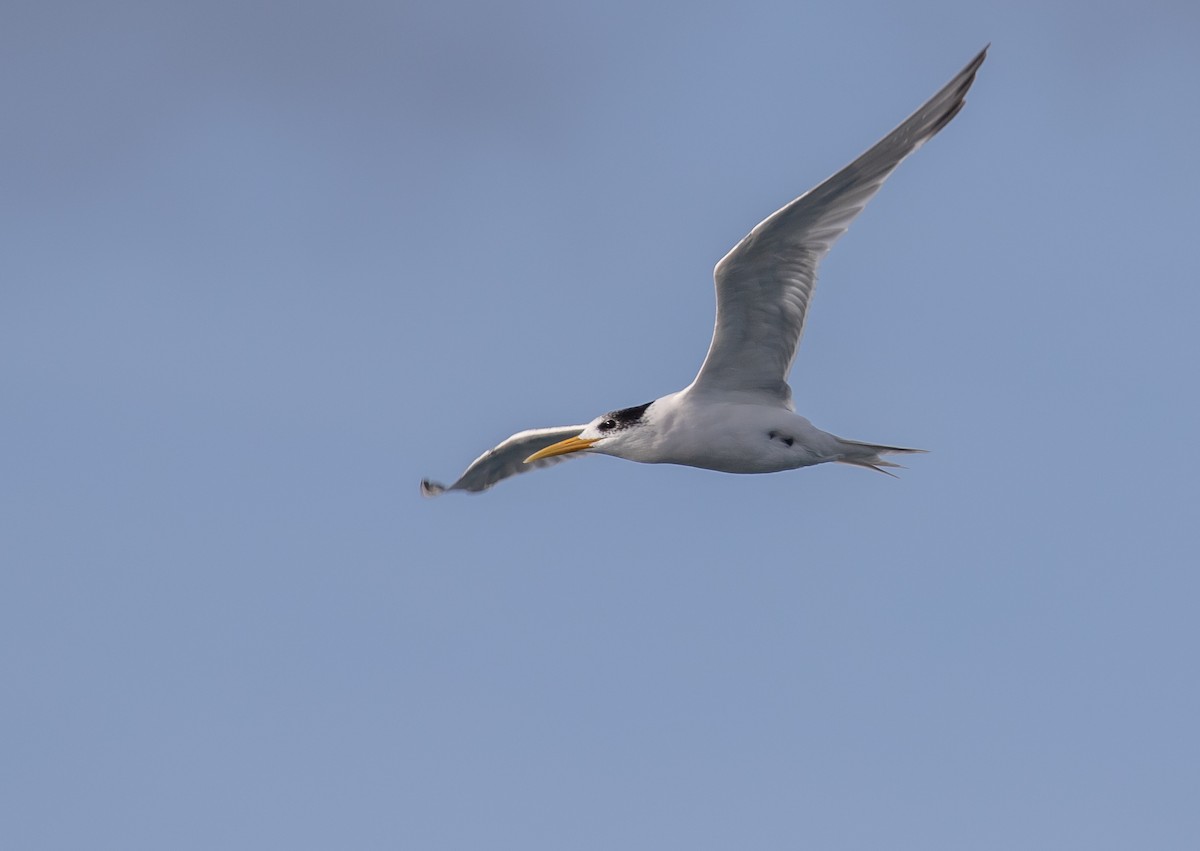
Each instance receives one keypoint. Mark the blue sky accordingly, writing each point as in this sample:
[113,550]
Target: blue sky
[265,267]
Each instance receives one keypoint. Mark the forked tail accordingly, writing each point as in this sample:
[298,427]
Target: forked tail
[867,455]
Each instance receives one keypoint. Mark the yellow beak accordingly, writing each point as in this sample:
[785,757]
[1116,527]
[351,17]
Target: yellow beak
[571,444]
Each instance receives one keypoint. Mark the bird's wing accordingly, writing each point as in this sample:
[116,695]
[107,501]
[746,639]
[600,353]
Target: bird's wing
[764,284]
[507,459]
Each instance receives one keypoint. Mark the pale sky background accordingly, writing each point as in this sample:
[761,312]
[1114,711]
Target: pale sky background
[262,267]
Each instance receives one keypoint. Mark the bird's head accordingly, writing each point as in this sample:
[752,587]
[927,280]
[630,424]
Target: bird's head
[618,433]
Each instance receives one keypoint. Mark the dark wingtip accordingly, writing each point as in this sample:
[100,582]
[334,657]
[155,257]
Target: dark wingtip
[431,489]
[965,78]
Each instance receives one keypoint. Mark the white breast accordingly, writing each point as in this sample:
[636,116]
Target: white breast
[732,438]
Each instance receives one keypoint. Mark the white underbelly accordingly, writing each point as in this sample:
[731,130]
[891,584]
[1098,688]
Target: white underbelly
[744,439]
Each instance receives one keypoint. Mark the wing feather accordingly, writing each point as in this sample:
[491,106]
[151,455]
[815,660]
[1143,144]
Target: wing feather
[765,282]
[507,459]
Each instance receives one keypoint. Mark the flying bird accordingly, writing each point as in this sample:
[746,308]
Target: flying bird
[737,414]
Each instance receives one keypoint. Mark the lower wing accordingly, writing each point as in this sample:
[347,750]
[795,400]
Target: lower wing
[507,459]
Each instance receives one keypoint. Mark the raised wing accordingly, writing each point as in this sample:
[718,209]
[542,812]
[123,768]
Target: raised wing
[764,284]
[507,459]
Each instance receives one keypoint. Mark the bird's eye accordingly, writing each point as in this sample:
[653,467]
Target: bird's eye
[607,425]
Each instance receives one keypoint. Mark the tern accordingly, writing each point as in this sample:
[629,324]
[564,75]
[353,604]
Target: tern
[737,415]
